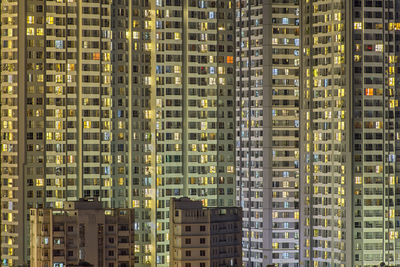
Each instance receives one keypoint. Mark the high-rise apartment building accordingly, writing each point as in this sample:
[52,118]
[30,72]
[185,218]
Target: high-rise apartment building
[349,133]
[128,101]
[267,107]
[82,232]
[204,237]
[56,111]
[183,120]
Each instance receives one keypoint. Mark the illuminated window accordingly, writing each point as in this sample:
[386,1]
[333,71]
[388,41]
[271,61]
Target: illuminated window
[96,56]
[358,180]
[135,35]
[369,91]
[30,31]
[229,59]
[177,36]
[71,67]
[358,26]
[39,31]
[177,69]
[106,56]
[30,20]
[87,124]
[379,48]
[59,78]
[39,182]
[50,20]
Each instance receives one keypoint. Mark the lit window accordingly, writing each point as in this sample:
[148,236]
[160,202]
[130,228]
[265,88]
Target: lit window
[30,31]
[369,91]
[229,59]
[50,20]
[39,182]
[59,44]
[39,31]
[379,48]
[358,26]
[135,35]
[177,69]
[87,124]
[30,20]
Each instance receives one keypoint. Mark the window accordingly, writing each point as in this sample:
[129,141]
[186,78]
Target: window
[202,240]
[369,91]
[49,20]
[202,264]
[188,228]
[30,20]
[358,26]
[187,265]
[188,241]
[188,253]
[202,228]
[30,31]
[202,253]
[70,228]
[229,59]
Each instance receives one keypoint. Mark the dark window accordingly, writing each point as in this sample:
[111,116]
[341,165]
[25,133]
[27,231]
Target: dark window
[70,228]
[188,228]
[188,253]
[202,240]
[188,241]
[202,228]
[202,253]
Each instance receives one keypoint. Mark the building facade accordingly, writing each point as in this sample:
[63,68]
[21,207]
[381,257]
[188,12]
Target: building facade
[267,108]
[82,232]
[349,133]
[131,102]
[204,237]
[56,111]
